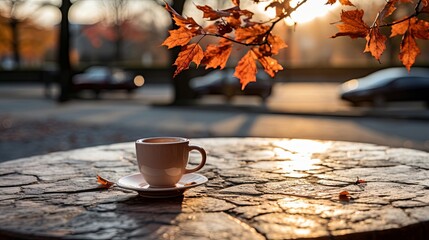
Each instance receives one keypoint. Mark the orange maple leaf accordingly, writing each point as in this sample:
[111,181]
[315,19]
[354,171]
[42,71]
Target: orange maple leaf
[420,29]
[353,25]
[178,37]
[212,14]
[189,53]
[234,22]
[276,43]
[387,10]
[375,43]
[104,183]
[399,28]
[331,2]
[217,55]
[270,65]
[251,34]
[410,29]
[181,21]
[408,50]
[246,69]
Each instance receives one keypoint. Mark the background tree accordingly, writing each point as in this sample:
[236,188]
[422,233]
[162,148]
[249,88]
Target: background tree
[64,65]
[116,12]
[17,31]
[12,7]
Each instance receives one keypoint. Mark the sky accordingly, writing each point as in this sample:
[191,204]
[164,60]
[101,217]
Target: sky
[91,11]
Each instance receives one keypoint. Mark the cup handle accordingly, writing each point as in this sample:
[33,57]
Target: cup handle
[203,158]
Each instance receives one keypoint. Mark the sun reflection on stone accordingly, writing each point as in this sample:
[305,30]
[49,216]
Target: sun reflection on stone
[298,154]
[303,146]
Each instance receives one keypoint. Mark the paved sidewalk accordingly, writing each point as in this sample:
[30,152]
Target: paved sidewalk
[31,124]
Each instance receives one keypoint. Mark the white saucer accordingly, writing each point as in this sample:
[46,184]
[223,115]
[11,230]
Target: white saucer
[137,183]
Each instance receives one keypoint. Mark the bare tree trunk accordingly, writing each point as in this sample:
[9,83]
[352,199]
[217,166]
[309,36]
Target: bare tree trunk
[118,43]
[64,54]
[15,42]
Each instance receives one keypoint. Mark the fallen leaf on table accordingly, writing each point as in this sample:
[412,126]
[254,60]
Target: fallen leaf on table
[360,181]
[104,183]
[344,196]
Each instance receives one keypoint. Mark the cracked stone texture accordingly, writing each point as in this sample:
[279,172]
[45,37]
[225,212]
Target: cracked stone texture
[258,189]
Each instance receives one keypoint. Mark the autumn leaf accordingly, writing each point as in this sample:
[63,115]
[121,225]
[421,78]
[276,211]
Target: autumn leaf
[270,65]
[375,43]
[331,2]
[344,196]
[360,181]
[251,34]
[276,44]
[188,22]
[353,25]
[189,53]
[408,50]
[246,69]
[104,183]
[420,28]
[178,37]
[212,14]
[387,10]
[217,55]
[399,28]
[410,29]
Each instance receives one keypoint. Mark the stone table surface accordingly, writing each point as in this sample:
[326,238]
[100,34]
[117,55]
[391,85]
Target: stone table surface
[257,189]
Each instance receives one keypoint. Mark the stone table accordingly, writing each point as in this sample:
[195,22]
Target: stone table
[257,189]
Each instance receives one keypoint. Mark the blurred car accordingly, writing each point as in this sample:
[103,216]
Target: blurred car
[101,78]
[223,82]
[388,85]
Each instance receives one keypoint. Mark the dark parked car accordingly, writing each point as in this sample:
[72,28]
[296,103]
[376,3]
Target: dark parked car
[388,85]
[223,82]
[101,78]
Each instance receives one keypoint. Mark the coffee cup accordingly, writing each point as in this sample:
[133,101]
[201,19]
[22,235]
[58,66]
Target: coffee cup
[162,161]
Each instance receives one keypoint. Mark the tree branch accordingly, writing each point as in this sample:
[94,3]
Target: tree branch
[415,14]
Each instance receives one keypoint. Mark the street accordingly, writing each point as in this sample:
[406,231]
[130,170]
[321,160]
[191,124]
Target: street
[31,124]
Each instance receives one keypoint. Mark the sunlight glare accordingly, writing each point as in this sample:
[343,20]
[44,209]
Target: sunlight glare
[303,146]
[309,11]
[298,154]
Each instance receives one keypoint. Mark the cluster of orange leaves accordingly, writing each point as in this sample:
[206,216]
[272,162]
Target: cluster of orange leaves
[235,25]
[230,25]
[410,28]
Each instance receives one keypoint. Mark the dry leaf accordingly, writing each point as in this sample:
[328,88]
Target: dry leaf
[104,183]
[270,65]
[408,50]
[251,34]
[246,69]
[352,24]
[190,53]
[217,55]
[344,196]
[212,14]
[360,181]
[178,37]
[375,43]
